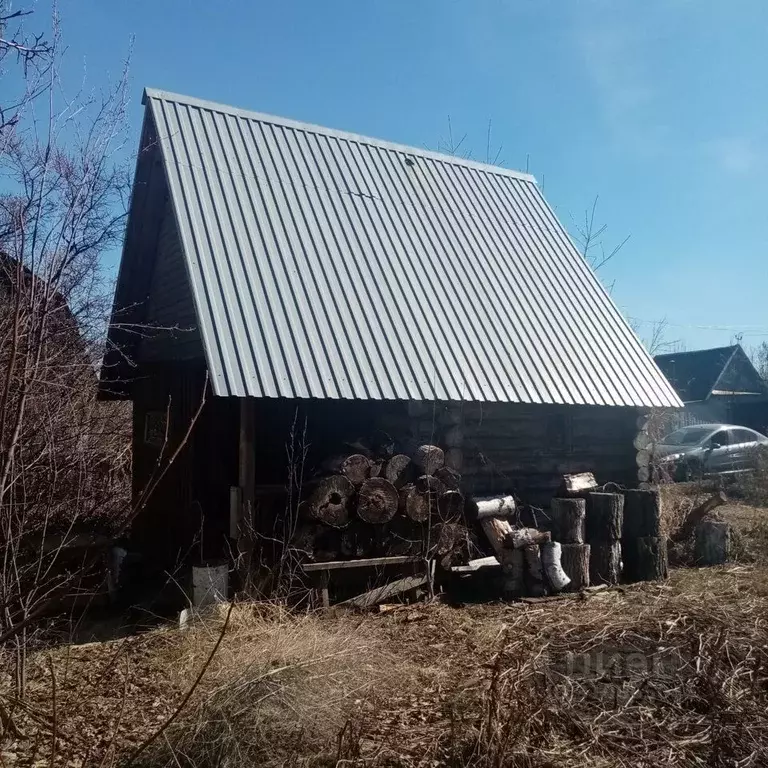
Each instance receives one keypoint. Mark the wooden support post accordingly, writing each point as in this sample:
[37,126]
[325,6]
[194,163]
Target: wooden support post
[246,542]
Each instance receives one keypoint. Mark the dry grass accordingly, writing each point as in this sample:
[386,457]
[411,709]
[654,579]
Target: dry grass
[683,682]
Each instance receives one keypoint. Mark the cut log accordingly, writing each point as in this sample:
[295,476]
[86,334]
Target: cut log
[577,484]
[417,506]
[430,483]
[713,543]
[575,561]
[642,514]
[398,470]
[568,520]
[534,572]
[377,468]
[356,468]
[494,506]
[643,474]
[643,458]
[404,537]
[605,563]
[496,530]
[329,502]
[605,517]
[429,458]
[450,505]
[551,556]
[696,515]
[450,544]
[450,478]
[519,538]
[378,501]
[645,558]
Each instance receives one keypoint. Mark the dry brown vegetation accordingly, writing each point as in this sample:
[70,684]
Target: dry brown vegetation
[684,682]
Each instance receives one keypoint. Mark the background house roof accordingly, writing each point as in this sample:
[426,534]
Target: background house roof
[325,264]
[696,374]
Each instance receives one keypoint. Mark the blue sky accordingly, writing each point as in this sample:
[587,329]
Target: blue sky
[660,107]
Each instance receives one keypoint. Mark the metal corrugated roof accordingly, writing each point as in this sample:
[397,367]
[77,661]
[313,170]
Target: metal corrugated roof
[325,264]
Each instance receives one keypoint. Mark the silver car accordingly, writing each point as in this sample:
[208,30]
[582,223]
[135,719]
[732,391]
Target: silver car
[708,449]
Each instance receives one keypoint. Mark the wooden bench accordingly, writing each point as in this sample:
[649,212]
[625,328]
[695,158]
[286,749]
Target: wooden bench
[320,573]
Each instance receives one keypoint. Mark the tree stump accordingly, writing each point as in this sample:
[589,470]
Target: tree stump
[642,514]
[605,562]
[713,543]
[398,470]
[695,516]
[429,458]
[378,501]
[356,468]
[551,560]
[329,502]
[568,520]
[416,505]
[605,517]
[645,558]
[575,561]
[450,478]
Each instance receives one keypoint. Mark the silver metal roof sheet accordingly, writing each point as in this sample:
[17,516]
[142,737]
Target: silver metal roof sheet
[325,264]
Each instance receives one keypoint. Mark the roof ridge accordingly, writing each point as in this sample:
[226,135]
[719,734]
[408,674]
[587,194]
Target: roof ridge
[215,106]
[696,351]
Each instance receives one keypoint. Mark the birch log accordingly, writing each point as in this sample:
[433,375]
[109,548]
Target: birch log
[551,554]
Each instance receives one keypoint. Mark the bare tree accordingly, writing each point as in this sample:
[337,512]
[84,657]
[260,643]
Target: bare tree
[759,355]
[589,236]
[64,457]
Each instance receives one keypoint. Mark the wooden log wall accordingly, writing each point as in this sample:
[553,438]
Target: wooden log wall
[530,447]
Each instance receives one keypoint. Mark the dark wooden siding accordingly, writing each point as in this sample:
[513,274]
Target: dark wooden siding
[186,518]
[527,448]
[172,332]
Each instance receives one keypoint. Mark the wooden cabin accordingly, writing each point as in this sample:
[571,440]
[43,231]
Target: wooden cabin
[285,288]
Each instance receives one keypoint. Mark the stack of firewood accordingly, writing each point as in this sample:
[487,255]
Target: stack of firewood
[385,505]
[644,548]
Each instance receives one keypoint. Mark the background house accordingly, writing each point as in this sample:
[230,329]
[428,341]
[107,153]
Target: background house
[719,385]
[323,286]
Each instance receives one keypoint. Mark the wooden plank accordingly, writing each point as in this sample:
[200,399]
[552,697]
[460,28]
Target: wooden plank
[367,563]
[475,565]
[386,591]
